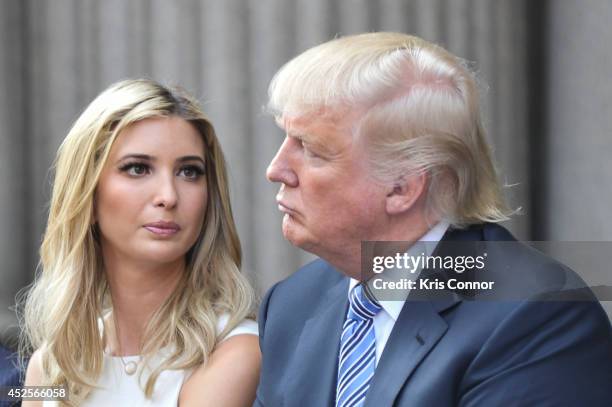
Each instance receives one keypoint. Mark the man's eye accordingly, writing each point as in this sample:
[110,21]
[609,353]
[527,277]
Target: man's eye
[308,153]
[135,169]
[300,143]
[191,172]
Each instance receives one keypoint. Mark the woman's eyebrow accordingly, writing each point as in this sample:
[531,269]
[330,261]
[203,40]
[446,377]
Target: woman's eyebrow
[147,157]
[137,156]
[191,158]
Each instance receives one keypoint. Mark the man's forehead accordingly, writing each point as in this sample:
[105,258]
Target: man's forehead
[315,122]
[312,131]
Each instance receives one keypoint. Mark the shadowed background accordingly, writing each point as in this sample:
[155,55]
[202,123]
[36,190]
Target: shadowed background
[546,66]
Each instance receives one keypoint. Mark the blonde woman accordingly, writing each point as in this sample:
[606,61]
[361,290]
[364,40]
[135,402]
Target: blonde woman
[140,300]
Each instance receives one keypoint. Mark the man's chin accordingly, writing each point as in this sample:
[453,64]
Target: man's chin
[296,236]
[293,238]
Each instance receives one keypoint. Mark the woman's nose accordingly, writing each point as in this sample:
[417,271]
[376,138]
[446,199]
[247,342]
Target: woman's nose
[166,195]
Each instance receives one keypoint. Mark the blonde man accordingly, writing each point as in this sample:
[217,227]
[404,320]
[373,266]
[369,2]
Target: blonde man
[384,143]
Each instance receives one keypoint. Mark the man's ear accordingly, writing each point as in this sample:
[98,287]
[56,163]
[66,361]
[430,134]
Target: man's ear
[405,192]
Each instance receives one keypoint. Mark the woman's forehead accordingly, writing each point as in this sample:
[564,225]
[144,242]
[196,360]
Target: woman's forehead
[159,135]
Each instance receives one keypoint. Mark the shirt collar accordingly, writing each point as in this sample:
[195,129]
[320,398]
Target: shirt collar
[435,234]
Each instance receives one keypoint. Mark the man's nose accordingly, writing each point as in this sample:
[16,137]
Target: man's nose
[166,195]
[280,168]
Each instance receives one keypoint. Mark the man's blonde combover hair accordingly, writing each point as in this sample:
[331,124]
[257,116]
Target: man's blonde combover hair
[71,293]
[418,112]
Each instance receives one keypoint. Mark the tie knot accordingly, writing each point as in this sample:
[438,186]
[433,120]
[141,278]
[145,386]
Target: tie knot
[361,305]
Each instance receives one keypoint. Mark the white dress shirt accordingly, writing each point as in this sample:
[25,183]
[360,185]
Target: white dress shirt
[385,319]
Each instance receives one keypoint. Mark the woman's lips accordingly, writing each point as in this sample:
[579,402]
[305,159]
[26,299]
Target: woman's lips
[163,228]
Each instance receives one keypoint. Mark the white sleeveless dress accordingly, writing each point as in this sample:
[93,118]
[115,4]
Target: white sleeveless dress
[116,388]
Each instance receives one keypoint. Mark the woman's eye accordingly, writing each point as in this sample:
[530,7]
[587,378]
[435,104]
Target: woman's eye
[191,172]
[135,169]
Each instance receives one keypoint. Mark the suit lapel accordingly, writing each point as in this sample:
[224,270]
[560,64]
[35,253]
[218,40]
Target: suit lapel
[417,330]
[314,364]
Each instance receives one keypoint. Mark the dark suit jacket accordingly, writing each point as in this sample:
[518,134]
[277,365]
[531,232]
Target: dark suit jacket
[10,375]
[441,352]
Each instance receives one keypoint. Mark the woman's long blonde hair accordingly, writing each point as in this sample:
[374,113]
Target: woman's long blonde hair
[71,293]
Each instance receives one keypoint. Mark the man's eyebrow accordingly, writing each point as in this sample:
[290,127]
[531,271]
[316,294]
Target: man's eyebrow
[147,157]
[299,136]
[308,140]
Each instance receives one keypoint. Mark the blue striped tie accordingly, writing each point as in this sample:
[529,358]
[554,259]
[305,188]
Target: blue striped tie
[357,359]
